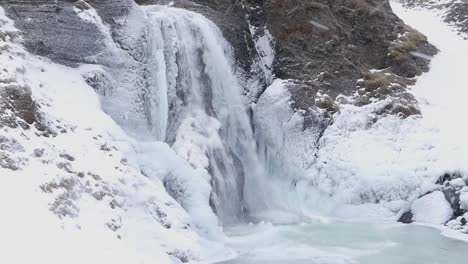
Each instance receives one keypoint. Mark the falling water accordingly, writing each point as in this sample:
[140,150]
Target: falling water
[196,104]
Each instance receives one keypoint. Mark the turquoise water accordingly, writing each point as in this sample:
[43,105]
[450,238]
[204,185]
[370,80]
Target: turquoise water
[344,242]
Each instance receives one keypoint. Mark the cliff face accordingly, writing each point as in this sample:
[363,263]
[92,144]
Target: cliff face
[53,28]
[324,46]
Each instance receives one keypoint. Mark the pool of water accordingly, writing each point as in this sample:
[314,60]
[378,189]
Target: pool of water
[344,242]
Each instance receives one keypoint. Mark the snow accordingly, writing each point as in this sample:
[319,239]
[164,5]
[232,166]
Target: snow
[159,162]
[276,89]
[264,45]
[318,25]
[458,182]
[432,208]
[464,201]
[442,91]
[284,152]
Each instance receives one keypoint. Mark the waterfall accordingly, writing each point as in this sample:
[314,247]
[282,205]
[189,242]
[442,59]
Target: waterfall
[195,103]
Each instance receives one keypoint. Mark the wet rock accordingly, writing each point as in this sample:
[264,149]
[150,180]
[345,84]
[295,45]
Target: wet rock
[453,197]
[406,218]
[452,184]
[463,221]
[448,176]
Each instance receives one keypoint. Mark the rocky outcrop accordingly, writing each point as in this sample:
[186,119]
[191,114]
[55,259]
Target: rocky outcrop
[324,46]
[451,195]
[331,45]
[52,29]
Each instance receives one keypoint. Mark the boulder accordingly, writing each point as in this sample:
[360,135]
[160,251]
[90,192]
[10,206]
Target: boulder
[432,208]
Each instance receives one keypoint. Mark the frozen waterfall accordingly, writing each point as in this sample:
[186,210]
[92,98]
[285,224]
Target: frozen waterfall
[195,103]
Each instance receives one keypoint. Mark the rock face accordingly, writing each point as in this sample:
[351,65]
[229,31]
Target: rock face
[324,46]
[406,218]
[52,29]
[330,45]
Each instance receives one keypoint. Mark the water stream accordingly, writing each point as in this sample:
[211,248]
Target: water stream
[339,242]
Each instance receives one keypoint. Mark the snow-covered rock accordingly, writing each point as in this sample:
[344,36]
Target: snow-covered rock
[464,201]
[432,208]
[458,182]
